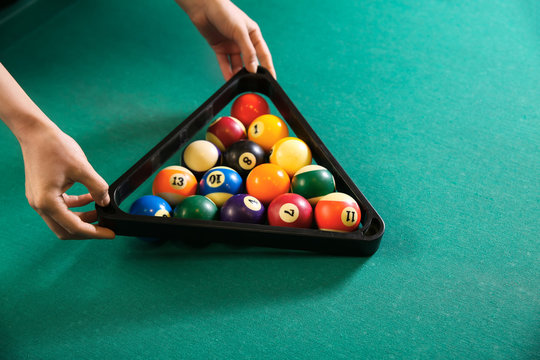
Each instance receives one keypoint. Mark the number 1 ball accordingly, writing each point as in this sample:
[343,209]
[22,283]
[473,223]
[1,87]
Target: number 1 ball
[248,107]
[243,208]
[337,212]
[266,130]
[290,210]
[174,183]
[243,156]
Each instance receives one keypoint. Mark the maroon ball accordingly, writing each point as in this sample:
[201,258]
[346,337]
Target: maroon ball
[290,210]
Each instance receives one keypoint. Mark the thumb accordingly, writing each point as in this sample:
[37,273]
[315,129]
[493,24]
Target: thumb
[96,185]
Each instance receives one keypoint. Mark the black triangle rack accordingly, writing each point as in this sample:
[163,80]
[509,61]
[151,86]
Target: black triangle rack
[362,242]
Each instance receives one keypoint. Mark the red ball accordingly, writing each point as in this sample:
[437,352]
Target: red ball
[290,210]
[225,131]
[247,107]
[337,212]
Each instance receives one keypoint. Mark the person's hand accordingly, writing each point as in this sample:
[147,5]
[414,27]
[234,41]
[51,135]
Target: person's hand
[234,37]
[53,162]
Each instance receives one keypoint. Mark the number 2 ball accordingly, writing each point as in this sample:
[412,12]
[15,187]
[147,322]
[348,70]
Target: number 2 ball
[243,156]
[337,212]
[174,183]
[220,183]
[290,210]
[248,107]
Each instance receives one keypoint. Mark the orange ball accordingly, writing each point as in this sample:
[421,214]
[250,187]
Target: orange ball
[266,130]
[337,212]
[267,181]
[174,183]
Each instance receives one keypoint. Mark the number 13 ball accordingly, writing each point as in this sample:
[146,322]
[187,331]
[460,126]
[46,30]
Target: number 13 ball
[337,212]
[174,183]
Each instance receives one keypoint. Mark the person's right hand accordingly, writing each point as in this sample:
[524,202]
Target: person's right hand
[53,162]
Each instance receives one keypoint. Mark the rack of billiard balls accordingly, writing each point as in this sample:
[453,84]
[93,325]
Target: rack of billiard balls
[249,170]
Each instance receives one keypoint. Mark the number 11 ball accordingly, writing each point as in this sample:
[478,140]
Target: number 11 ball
[337,212]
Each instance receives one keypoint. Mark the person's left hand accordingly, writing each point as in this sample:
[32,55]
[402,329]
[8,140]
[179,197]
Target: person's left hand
[234,37]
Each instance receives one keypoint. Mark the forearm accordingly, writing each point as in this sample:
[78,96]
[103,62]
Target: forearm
[17,110]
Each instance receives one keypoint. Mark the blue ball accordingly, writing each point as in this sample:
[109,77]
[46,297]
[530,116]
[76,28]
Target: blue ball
[219,184]
[243,208]
[150,205]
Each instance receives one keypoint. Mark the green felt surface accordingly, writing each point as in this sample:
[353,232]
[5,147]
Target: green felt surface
[432,108]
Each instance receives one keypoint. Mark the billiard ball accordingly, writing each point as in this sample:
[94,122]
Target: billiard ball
[290,210]
[249,106]
[196,207]
[219,184]
[243,208]
[225,131]
[174,183]
[337,212]
[200,156]
[313,182]
[150,205]
[266,130]
[291,154]
[243,156]
[267,181]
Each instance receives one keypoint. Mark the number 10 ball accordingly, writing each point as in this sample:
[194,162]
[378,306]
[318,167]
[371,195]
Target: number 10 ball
[220,183]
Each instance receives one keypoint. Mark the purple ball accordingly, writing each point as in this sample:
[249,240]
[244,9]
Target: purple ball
[243,208]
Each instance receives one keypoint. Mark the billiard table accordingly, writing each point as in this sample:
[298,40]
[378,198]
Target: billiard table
[431,108]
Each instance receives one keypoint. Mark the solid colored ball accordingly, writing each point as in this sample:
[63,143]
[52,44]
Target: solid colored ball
[174,183]
[266,130]
[220,183]
[313,182]
[243,208]
[291,154]
[225,131]
[290,210]
[200,156]
[337,212]
[150,205]
[248,107]
[243,156]
[196,207]
[267,181]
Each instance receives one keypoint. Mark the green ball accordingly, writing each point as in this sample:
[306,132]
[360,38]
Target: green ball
[196,207]
[313,182]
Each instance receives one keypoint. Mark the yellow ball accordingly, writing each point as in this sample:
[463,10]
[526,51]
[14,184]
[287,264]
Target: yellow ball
[266,130]
[291,154]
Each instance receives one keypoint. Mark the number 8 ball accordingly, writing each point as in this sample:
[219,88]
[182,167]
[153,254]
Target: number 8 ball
[243,156]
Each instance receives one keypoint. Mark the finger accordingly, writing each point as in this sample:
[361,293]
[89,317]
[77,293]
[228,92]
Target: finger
[224,65]
[261,48]
[247,49]
[236,63]
[77,200]
[77,228]
[59,231]
[96,185]
[87,216]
